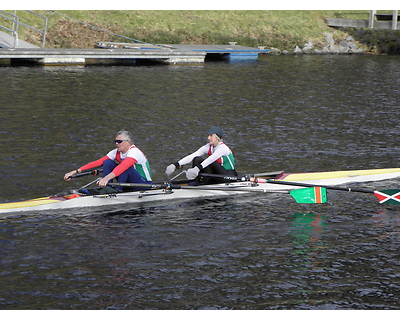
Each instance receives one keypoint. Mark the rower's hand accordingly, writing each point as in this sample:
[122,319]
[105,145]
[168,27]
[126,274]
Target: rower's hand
[102,182]
[68,175]
[170,169]
[192,173]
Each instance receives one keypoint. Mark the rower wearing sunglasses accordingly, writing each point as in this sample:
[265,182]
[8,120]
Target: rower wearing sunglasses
[127,163]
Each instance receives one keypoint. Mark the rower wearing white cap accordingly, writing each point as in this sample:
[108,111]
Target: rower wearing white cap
[220,160]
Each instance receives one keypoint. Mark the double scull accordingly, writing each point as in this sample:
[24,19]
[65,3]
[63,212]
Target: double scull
[263,183]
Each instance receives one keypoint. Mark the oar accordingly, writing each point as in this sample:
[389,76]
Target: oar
[168,186]
[388,196]
[87,173]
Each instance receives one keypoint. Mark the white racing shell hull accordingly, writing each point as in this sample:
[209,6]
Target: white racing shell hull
[218,190]
[136,197]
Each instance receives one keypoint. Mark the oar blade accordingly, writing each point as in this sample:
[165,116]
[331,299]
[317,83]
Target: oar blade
[388,196]
[309,195]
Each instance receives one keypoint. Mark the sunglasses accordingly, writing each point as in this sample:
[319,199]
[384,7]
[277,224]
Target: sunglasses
[119,141]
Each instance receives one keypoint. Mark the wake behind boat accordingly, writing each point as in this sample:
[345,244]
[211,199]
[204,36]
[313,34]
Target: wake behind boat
[263,183]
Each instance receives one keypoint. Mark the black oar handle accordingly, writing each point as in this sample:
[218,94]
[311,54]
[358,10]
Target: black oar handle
[88,173]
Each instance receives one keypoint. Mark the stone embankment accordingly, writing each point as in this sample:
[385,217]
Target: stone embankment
[332,47]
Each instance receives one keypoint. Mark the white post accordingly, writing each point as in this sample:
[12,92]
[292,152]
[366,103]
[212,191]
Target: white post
[394,20]
[16,30]
[371,19]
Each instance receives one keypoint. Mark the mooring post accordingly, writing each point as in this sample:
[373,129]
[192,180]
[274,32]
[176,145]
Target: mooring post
[371,19]
[394,20]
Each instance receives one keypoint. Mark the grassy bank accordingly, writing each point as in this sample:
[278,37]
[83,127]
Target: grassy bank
[273,28]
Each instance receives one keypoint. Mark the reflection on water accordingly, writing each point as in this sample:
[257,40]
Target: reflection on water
[309,254]
[310,113]
[308,234]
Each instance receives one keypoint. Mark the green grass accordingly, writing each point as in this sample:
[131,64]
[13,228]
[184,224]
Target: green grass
[272,28]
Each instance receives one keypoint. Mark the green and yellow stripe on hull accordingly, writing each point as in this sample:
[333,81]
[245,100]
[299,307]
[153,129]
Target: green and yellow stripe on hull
[36,202]
[336,174]
[28,203]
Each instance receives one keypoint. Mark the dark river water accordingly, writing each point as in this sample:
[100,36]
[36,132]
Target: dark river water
[292,113]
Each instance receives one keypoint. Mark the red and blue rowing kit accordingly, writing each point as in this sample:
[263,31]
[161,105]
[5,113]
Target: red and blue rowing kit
[131,167]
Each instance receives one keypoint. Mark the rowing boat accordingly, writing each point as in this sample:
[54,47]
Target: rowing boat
[280,182]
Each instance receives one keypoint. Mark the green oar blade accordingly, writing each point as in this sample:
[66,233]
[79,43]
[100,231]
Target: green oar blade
[388,196]
[309,195]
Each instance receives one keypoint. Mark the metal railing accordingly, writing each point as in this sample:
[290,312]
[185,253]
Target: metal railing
[14,27]
[15,23]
